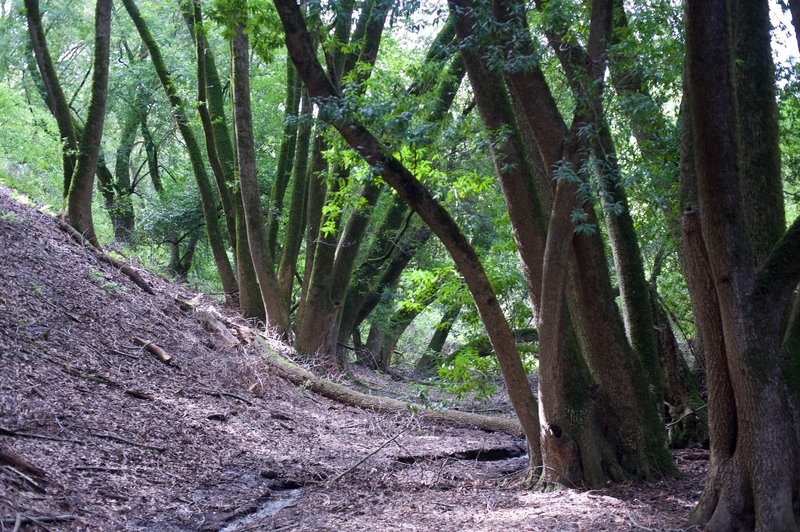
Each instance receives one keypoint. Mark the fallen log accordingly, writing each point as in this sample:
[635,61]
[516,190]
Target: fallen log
[342,394]
[162,355]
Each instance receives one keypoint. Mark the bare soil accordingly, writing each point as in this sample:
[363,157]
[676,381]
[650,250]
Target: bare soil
[98,434]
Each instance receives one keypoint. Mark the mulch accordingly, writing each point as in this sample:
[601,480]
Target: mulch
[96,433]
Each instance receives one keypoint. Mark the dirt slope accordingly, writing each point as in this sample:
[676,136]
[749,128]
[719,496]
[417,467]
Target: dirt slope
[97,434]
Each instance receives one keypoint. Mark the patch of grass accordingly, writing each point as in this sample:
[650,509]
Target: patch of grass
[37,289]
[9,217]
[107,285]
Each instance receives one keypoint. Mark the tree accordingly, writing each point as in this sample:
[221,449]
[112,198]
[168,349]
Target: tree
[207,199]
[275,304]
[438,219]
[600,418]
[749,265]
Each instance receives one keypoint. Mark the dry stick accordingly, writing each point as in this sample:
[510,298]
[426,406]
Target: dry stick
[8,432]
[36,485]
[38,519]
[20,464]
[120,439]
[162,355]
[220,393]
[687,414]
[370,455]
[121,266]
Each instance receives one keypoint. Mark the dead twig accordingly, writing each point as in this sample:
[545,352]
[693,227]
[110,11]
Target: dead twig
[25,520]
[8,432]
[370,455]
[220,394]
[692,412]
[120,439]
[36,486]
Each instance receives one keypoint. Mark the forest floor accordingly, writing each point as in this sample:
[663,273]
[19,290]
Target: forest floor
[97,434]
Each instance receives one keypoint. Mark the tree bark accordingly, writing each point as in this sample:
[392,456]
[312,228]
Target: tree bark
[79,199]
[275,305]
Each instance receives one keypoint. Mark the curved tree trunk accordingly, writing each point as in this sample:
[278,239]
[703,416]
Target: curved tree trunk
[79,199]
[439,220]
[56,101]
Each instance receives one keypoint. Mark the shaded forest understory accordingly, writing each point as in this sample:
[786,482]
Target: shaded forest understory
[96,432]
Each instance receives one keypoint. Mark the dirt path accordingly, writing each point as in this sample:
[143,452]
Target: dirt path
[117,440]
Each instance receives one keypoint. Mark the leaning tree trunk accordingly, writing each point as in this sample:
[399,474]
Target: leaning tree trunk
[439,220]
[79,199]
[56,101]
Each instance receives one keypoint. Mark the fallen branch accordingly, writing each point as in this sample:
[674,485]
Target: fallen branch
[19,464]
[120,439]
[23,520]
[370,455]
[337,392]
[25,477]
[118,264]
[211,320]
[8,432]
[162,355]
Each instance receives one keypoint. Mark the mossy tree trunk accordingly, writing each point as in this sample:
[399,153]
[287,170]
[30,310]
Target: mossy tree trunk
[610,438]
[79,199]
[753,267]
[220,155]
[275,305]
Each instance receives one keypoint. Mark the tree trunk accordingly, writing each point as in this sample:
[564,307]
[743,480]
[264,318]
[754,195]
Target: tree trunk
[428,362]
[79,199]
[220,156]
[283,170]
[439,220]
[296,223]
[223,176]
[754,409]
[207,201]
[56,101]
[277,310]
